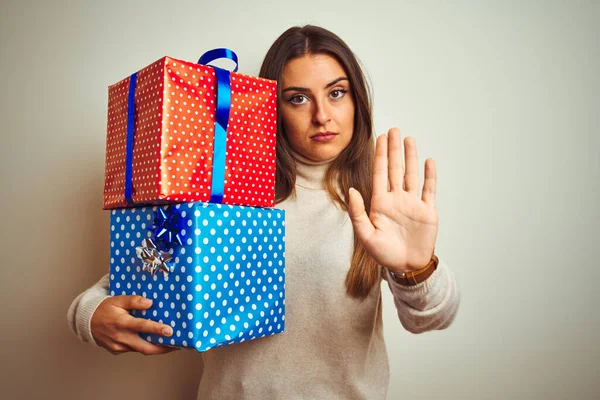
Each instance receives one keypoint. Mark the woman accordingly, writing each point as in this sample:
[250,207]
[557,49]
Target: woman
[328,175]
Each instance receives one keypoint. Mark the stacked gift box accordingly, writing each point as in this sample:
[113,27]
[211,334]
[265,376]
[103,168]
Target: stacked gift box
[190,185]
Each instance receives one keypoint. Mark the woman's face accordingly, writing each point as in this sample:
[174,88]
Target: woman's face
[317,108]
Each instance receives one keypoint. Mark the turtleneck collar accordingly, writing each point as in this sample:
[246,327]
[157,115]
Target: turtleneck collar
[310,174]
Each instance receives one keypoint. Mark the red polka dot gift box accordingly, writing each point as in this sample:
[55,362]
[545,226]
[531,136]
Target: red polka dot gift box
[180,132]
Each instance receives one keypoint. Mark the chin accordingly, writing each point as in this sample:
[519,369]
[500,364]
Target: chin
[325,157]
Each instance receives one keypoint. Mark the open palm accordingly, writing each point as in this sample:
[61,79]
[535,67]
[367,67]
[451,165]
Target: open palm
[401,228]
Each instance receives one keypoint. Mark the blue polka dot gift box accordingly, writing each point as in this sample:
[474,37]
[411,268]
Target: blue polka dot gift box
[215,273]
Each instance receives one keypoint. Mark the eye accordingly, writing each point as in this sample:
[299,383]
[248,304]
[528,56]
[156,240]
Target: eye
[338,93]
[298,99]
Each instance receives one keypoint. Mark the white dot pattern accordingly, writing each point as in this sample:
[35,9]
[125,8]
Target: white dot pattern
[175,103]
[225,286]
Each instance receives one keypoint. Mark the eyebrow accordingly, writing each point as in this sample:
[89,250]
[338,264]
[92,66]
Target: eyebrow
[302,89]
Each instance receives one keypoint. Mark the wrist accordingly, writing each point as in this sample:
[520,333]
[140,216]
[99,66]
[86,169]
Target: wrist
[413,278]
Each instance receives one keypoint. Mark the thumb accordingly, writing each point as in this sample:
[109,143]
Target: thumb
[133,302]
[363,228]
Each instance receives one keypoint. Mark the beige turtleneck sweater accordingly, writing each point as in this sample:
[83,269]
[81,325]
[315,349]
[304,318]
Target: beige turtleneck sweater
[333,345]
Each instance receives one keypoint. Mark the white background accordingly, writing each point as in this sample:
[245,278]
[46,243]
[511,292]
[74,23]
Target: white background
[504,96]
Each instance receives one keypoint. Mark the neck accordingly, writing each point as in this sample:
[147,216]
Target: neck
[310,174]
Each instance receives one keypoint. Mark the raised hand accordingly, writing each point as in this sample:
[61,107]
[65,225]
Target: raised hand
[401,228]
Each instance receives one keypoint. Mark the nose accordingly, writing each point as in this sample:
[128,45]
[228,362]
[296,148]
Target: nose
[321,113]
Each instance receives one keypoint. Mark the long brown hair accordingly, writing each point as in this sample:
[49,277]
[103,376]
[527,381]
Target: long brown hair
[353,167]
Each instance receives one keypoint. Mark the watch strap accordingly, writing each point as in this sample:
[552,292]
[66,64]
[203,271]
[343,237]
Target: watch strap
[415,277]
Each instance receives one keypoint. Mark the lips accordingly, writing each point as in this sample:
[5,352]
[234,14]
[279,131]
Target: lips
[323,135]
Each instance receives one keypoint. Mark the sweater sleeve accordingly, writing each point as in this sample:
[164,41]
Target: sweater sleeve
[429,305]
[83,307]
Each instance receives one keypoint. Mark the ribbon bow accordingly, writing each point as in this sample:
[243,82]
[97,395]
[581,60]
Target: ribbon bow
[167,227]
[153,258]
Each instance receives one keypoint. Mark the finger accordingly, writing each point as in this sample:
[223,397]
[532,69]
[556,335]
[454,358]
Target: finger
[143,346]
[147,326]
[380,176]
[363,228]
[411,177]
[116,348]
[133,302]
[430,182]
[395,168]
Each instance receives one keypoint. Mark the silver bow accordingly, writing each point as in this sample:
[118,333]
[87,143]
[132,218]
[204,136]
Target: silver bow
[154,259]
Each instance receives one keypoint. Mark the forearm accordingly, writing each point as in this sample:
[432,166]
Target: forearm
[429,305]
[83,307]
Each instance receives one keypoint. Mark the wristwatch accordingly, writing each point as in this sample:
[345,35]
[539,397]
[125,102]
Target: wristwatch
[416,277]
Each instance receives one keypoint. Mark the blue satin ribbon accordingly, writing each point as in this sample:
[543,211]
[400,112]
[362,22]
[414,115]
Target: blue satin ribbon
[215,54]
[129,151]
[222,119]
